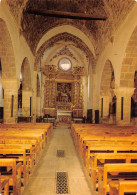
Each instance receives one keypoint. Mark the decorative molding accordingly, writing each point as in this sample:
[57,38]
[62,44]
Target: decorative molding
[66,37]
[64,51]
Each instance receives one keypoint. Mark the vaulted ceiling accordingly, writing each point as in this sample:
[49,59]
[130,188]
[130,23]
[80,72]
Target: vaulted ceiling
[34,27]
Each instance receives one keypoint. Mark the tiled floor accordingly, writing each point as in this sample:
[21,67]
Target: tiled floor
[43,179]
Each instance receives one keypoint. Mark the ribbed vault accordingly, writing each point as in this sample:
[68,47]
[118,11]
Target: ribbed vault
[64,37]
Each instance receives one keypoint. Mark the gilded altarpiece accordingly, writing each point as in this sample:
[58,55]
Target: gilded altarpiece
[60,95]
[64,98]
[50,91]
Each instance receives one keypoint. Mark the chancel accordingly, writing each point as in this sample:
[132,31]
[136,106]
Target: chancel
[68,97]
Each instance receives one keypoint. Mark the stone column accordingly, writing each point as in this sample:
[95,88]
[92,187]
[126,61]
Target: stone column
[96,99]
[26,94]
[123,105]
[38,105]
[34,97]
[104,106]
[11,87]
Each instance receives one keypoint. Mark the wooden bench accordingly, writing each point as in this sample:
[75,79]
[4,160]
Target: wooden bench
[22,143]
[15,176]
[107,147]
[85,132]
[30,151]
[100,159]
[22,139]
[121,187]
[20,156]
[47,127]
[114,170]
[42,134]
[4,186]
[15,133]
[98,142]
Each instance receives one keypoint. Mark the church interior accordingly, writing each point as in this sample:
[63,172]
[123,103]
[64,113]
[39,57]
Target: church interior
[68,97]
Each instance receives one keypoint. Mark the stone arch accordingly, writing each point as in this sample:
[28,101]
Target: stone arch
[129,64]
[66,37]
[6,53]
[69,29]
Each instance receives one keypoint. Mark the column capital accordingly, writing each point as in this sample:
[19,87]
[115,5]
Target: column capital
[12,84]
[124,91]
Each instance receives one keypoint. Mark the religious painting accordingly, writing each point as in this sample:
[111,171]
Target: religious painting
[64,92]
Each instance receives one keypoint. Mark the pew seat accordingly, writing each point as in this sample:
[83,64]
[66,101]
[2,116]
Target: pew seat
[12,173]
[100,159]
[122,187]
[4,186]
[115,172]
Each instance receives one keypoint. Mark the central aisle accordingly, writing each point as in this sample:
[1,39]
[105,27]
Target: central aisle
[43,179]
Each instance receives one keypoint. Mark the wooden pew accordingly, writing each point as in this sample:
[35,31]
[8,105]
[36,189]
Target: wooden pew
[30,151]
[22,139]
[4,186]
[84,132]
[8,133]
[15,177]
[20,156]
[92,139]
[114,169]
[107,147]
[45,127]
[100,159]
[22,142]
[42,134]
[121,187]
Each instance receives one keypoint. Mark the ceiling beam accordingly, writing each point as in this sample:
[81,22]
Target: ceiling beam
[68,15]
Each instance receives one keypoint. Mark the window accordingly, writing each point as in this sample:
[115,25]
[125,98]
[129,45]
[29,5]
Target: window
[65,64]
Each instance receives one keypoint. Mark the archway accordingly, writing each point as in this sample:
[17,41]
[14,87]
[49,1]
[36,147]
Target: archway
[129,62]
[65,45]
[128,81]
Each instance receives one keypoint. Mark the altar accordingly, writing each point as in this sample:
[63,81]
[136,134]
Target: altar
[63,93]
[64,116]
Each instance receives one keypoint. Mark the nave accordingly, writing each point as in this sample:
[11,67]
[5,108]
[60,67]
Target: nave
[43,179]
